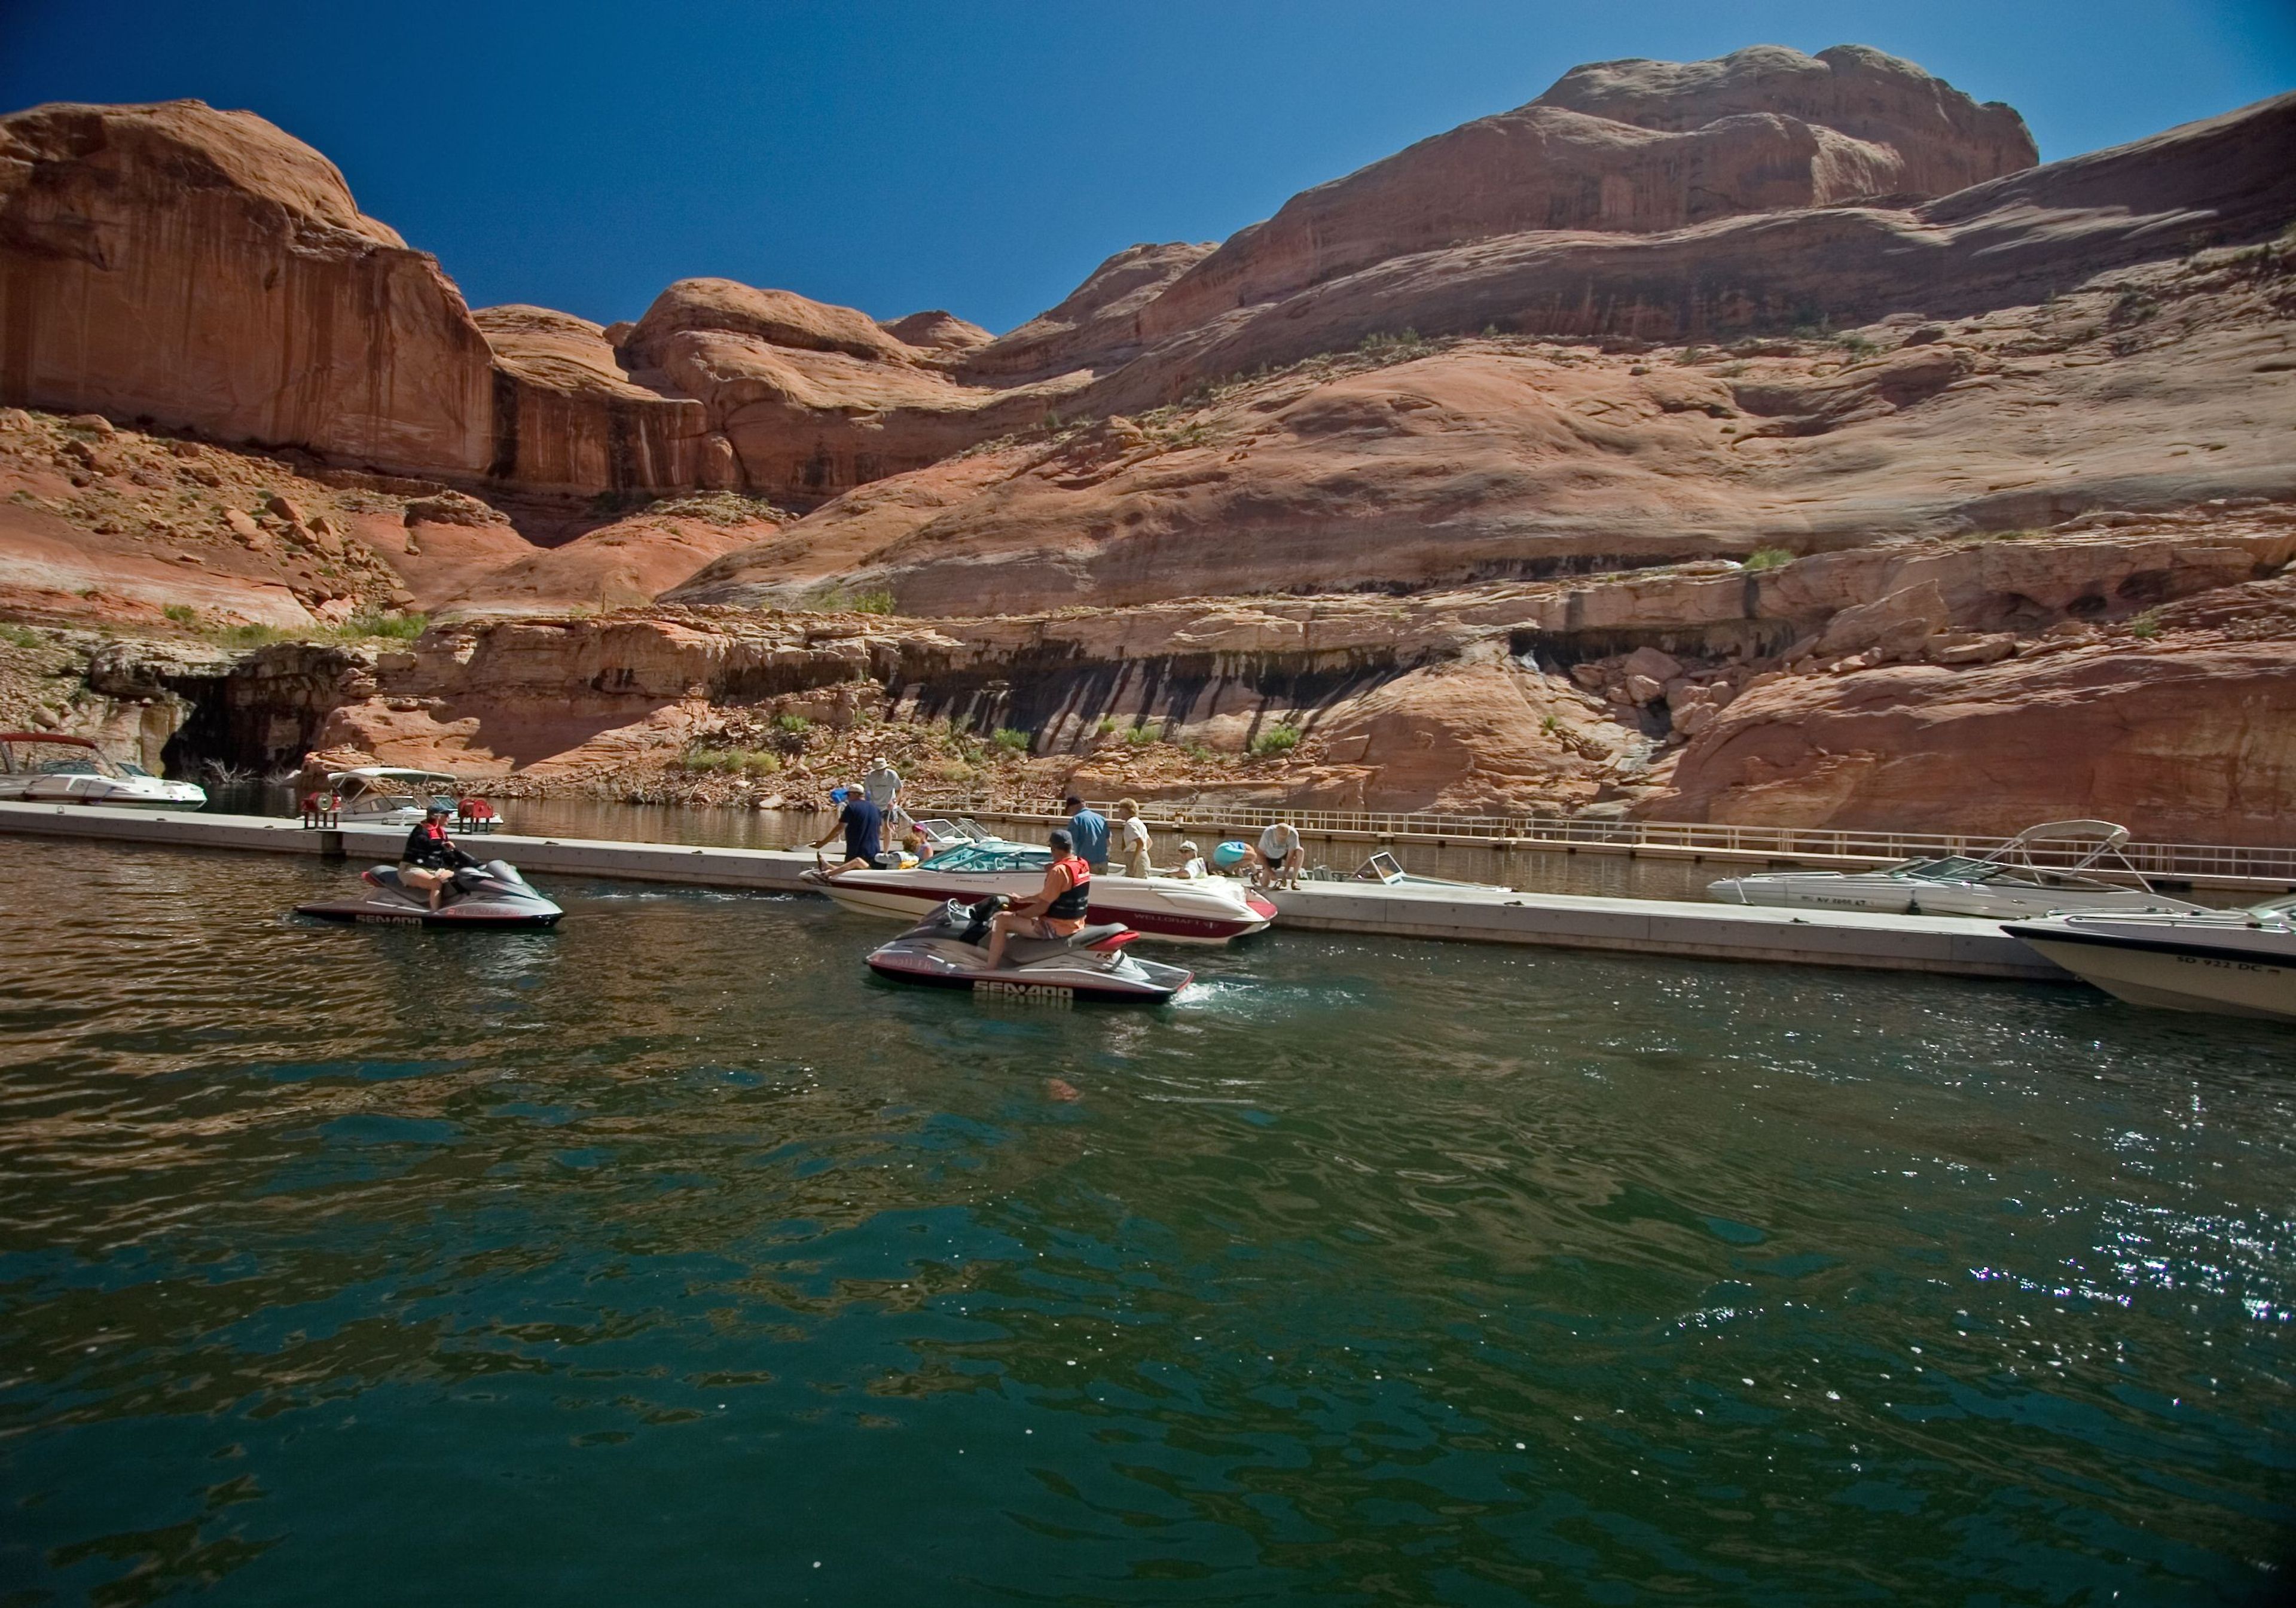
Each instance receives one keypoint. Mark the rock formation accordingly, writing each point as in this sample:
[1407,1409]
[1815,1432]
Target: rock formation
[1408,465]
[1098,326]
[937,330]
[1626,146]
[203,269]
[1759,440]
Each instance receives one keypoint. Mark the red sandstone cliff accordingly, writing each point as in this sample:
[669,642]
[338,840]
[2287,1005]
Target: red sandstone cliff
[203,269]
[1484,430]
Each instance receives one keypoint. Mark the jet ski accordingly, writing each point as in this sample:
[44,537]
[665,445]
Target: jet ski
[493,896]
[949,949]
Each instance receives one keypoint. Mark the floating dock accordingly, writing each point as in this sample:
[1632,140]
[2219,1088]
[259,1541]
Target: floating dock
[1948,946]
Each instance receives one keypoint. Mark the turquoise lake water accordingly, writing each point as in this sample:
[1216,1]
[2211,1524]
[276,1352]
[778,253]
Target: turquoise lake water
[668,1258]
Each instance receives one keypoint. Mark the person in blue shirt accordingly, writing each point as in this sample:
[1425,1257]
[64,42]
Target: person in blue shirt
[861,821]
[1088,829]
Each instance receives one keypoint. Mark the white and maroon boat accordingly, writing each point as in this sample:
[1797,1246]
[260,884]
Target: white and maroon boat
[44,767]
[1209,910]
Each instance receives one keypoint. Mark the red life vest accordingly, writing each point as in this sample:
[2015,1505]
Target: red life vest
[1072,904]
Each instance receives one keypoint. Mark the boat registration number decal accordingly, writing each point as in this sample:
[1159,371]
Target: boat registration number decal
[1036,993]
[2214,964]
[390,921]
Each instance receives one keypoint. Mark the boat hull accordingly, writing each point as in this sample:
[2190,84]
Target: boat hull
[940,965]
[1181,916]
[191,799]
[2172,975]
[396,912]
[1903,896]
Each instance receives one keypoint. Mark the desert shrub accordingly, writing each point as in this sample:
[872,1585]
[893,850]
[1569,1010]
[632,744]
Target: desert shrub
[1105,725]
[729,762]
[1769,558]
[21,636]
[1856,345]
[2135,307]
[872,603]
[182,615]
[793,723]
[1140,737]
[2145,626]
[397,627]
[1389,346]
[1550,724]
[1281,738]
[1007,740]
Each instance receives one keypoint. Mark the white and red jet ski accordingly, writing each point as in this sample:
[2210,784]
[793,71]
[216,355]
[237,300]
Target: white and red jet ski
[949,949]
[492,895]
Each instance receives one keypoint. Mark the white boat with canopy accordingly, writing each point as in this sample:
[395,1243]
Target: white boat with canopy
[961,861]
[2050,867]
[390,795]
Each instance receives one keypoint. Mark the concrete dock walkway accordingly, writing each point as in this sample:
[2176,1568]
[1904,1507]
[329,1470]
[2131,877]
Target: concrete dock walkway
[1945,944]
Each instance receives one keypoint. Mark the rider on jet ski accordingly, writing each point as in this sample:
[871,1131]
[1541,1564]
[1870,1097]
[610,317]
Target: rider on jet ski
[1056,910]
[430,858]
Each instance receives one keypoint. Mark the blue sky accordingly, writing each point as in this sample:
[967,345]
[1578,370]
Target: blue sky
[979,155]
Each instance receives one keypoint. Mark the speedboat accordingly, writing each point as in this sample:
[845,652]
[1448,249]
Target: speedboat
[1386,870]
[1208,910]
[2008,883]
[41,767]
[2233,963]
[390,795]
[949,949]
[492,895]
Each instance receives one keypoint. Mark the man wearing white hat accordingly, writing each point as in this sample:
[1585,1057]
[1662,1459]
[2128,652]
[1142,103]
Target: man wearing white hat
[883,784]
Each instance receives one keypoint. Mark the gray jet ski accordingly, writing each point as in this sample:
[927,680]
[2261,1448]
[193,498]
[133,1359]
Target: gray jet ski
[491,896]
[949,949]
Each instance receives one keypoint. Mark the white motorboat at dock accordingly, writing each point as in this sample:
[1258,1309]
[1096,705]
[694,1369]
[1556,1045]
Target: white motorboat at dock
[1201,910]
[2042,870]
[44,767]
[2232,962]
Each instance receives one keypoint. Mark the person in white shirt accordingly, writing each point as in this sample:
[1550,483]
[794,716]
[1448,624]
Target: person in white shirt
[1279,856]
[1191,863]
[883,784]
[1132,839]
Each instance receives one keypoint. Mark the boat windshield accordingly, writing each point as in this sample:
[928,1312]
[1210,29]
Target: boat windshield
[1382,867]
[129,768]
[2282,908]
[83,765]
[989,856]
[1953,868]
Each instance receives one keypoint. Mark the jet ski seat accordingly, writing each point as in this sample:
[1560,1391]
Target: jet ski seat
[386,877]
[1021,951]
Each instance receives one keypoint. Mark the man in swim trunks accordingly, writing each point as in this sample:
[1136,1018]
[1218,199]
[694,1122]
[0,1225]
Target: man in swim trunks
[1055,910]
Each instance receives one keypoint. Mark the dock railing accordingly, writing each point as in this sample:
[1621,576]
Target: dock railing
[2220,865]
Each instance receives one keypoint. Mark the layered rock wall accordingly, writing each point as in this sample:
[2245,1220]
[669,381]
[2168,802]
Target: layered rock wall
[1625,147]
[203,269]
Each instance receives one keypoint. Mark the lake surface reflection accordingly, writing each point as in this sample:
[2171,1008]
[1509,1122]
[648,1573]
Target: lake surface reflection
[667,1258]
